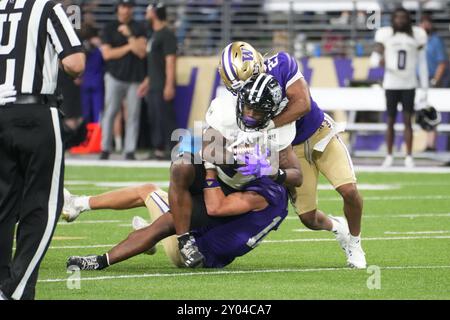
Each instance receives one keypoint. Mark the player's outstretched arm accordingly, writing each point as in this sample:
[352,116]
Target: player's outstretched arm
[299,103]
[219,205]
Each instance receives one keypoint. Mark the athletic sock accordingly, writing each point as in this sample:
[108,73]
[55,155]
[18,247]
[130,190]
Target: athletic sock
[82,203]
[334,228]
[356,241]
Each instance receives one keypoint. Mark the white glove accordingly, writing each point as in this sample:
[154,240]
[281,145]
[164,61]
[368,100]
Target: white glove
[422,101]
[7,95]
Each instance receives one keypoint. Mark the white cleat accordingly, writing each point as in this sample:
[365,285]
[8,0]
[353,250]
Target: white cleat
[388,162]
[70,212]
[342,233]
[409,162]
[139,223]
[356,258]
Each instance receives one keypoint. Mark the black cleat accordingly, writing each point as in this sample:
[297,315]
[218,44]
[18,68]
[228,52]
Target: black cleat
[85,263]
[191,256]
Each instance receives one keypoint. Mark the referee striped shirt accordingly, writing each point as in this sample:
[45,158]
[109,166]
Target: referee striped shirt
[34,34]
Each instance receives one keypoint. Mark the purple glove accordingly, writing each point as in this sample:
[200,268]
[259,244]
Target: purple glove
[256,164]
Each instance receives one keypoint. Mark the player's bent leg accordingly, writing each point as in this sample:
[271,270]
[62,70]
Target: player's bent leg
[157,205]
[316,220]
[136,243]
[183,178]
[353,206]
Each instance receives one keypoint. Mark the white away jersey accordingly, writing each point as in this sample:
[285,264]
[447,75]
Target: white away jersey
[221,116]
[401,52]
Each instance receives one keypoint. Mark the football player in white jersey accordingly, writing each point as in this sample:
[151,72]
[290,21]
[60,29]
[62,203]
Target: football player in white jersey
[400,48]
[226,118]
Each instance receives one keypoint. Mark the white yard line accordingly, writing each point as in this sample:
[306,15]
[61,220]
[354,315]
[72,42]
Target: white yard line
[392,215]
[166,164]
[418,232]
[363,239]
[117,163]
[236,272]
[113,184]
[273,241]
[392,198]
[89,222]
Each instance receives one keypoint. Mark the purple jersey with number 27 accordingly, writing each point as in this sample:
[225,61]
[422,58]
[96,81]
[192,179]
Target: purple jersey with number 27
[285,69]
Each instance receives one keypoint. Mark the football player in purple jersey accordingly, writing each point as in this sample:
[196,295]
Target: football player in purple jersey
[317,144]
[231,207]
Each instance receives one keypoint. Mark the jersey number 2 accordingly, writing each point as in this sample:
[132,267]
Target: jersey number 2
[6,49]
[401,63]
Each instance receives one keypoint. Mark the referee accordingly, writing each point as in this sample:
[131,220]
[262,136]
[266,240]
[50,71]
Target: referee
[35,36]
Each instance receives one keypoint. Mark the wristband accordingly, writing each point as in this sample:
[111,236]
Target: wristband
[282,176]
[211,184]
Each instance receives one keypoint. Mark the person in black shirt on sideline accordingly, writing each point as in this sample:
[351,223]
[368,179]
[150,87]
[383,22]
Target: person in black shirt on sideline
[159,85]
[124,50]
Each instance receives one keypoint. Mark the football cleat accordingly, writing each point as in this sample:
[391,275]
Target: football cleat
[190,254]
[84,263]
[342,232]
[69,212]
[139,223]
[356,258]
[409,162]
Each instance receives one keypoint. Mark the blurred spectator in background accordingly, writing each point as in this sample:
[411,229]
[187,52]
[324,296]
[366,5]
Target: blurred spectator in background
[438,67]
[159,85]
[92,86]
[438,64]
[124,50]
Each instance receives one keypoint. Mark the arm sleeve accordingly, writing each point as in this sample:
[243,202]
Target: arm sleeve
[61,33]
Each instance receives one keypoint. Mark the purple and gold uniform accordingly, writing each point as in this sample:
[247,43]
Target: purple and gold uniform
[317,144]
[285,69]
[223,239]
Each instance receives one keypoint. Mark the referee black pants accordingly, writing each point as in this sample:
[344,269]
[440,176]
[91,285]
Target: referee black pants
[31,184]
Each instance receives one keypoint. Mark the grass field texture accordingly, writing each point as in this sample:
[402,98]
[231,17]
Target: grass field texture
[406,236]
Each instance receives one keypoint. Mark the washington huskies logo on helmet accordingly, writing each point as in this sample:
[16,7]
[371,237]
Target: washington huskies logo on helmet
[239,62]
[247,55]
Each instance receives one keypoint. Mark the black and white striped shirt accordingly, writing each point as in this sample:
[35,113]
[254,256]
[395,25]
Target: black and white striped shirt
[34,34]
